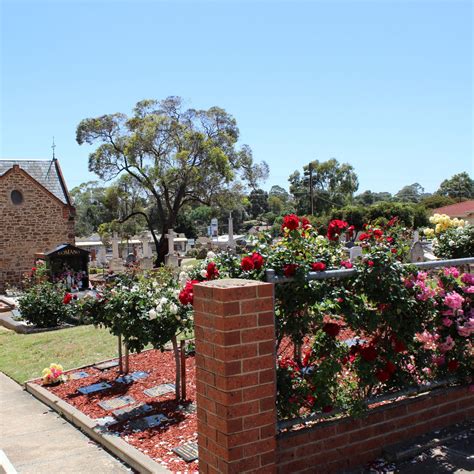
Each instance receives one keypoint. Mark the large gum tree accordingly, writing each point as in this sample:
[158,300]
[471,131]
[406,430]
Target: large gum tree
[178,156]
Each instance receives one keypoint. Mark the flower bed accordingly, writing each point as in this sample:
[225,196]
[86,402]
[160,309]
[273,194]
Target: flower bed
[158,442]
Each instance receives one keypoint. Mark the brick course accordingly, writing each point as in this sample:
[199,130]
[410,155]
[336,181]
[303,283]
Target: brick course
[39,224]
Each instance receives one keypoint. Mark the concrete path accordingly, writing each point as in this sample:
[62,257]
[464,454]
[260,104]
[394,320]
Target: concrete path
[37,440]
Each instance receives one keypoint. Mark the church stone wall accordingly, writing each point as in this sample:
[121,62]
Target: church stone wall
[36,225]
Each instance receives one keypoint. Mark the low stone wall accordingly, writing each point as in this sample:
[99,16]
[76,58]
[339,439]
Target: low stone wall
[338,446]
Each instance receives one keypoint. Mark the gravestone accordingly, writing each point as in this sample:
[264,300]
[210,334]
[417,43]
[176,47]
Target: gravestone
[355,253]
[416,236]
[116,264]
[187,451]
[94,388]
[115,403]
[107,365]
[171,259]
[78,375]
[132,411]
[148,422]
[231,241]
[417,252]
[159,390]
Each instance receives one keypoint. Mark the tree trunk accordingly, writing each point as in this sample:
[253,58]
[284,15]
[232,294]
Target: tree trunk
[174,341]
[120,353]
[127,359]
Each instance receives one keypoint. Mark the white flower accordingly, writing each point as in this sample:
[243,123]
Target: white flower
[183,278]
[173,308]
[204,273]
[211,255]
[152,314]
[163,300]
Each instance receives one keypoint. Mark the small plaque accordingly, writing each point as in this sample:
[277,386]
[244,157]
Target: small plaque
[115,403]
[127,379]
[190,408]
[104,422]
[107,365]
[188,451]
[132,411]
[94,388]
[159,390]
[148,422]
[78,375]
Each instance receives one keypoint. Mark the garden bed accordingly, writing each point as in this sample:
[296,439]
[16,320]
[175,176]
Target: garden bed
[157,442]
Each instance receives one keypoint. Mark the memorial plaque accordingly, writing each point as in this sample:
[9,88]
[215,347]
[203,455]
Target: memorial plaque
[115,403]
[107,365]
[126,379]
[355,253]
[94,388]
[159,390]
[133,377]
[132,411]
[105,421]
[191,408]
[139,375]
[78,375]
[148,422]
[188,451]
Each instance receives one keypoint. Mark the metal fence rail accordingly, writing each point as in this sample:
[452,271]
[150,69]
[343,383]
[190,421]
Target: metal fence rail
[272,277]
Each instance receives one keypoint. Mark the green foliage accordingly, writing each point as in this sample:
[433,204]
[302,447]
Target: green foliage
[43,306]
[458,187]
[457,242]
[435,200]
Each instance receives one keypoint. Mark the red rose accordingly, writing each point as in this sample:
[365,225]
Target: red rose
[311,400]
[33,270]
[346,264]
[212,271]
[290,222]
[364,236]
[331,329]
[186,295]
[350,231]
[382,375]
[370,263]
[305,222]
[390,367]
[394,250]
[257,260]
[318,266]
[368,353]
[289,269]
[453,365]
[247,264]
[392,221]
[378,233]
[389,240]
[67,298]
[335,229]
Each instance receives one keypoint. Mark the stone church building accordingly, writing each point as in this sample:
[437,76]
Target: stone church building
[36,215]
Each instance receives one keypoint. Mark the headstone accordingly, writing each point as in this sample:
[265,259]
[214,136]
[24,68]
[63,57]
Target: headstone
[148,422]
[160,390]
[171,259]
[116,263]
[417,252]
[78,375]
[132,411]
[107,365]
[94,388]
[101,256]
[231,241]
[355,253]
[115,403]
[188,451]
[416,236]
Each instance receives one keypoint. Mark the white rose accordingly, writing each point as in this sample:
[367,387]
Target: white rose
[211,255]
[152,314]
[163,300]
[204,273]
[173,308]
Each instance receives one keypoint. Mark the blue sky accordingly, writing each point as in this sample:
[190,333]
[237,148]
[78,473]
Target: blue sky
[385,86]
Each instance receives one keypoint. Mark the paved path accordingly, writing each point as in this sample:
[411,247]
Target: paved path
[37,440]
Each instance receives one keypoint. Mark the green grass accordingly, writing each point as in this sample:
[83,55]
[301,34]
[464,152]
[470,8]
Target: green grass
[24,356]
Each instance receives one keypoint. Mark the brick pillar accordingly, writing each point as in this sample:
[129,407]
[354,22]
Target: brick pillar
[235,376]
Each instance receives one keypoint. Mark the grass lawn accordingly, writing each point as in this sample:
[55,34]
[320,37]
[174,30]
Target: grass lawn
[24,356]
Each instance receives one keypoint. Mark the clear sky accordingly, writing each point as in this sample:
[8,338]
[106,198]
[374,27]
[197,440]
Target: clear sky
[385,86]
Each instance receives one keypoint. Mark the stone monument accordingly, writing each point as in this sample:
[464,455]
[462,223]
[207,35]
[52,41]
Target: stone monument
[171,259]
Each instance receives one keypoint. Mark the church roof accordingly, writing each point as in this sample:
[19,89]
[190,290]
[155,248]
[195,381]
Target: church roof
[46,172]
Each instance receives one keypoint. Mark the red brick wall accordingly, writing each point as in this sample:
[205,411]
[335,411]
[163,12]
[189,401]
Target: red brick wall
[38,224]
[340,445]
[235,376]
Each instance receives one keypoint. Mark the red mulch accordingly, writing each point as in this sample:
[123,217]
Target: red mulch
[157,442]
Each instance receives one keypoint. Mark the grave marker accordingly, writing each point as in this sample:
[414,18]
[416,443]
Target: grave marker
[130,412]
[94,388]
[148,422]
[188,451]
[133,377]
[159,390]
[417,253]
[354,253]
[117,402]
[107,365]
[78,375]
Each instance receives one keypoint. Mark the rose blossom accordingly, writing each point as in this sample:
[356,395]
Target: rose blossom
[447,322]
[447,345]
[318,266]
[468,278]
[451,271]
[453,300]
[290,222]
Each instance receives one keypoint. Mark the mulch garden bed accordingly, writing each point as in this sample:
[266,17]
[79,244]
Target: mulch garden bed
[157,442]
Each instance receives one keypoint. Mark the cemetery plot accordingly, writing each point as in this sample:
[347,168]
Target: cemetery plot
[155,423]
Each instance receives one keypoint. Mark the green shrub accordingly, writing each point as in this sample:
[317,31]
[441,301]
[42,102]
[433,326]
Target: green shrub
[457,242]
[43,306]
